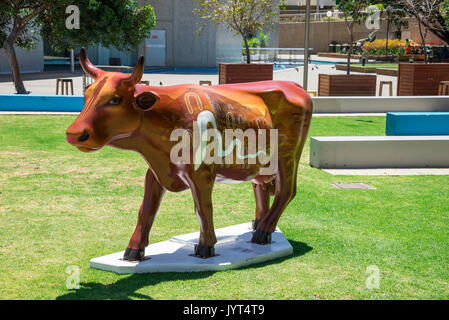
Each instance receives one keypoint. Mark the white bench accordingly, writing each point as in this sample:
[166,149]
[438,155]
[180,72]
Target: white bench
[380,104]
[379,152]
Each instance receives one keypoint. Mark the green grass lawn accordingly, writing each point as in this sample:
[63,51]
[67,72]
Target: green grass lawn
[60,207]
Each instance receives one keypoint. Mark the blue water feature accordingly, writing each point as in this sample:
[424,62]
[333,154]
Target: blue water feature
[417,123]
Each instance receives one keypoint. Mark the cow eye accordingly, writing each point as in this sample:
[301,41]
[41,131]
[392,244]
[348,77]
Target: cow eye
[115,101]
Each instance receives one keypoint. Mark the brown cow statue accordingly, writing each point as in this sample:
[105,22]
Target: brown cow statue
[120,112]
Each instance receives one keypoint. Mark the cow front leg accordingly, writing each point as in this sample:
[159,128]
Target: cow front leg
[148,210]
[201,183]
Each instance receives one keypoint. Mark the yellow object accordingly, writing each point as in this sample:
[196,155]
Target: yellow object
[313,93]
[379,44]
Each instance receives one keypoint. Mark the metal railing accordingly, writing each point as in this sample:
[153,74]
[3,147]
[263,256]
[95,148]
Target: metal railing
[277,55]
[314,16]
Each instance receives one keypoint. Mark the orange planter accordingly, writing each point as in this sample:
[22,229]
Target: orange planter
[420,79]
[243,72]
[346,85]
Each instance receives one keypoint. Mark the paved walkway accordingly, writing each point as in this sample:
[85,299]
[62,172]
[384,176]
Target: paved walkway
[389,172]
[45,83]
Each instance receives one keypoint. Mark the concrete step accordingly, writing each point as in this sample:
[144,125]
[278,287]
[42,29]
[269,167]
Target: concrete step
[379,152]
[417,123]
[380,104]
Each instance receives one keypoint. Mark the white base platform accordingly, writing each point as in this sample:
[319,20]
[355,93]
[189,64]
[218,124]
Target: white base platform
[233,250]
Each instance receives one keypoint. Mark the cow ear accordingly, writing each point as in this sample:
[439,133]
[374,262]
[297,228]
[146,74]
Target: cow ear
[146,100]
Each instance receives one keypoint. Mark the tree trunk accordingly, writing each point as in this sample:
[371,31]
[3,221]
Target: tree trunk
[348,65]
[12,57]
[423,41]
[388,33]
[248,54]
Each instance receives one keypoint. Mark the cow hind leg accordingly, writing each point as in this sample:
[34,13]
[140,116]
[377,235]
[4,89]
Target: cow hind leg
[285,192]
[295,126]
[262,194]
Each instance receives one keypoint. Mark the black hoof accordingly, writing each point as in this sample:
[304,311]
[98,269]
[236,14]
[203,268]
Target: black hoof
[134,254]
[261,237]
[204,251]
[255,223]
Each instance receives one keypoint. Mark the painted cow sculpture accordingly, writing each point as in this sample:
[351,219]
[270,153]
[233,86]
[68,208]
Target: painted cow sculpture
[120,112]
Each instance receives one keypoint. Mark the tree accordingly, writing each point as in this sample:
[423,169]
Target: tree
[353,13]
[395,15]
[427,13]
[118,23]
[437,22]
[244,17]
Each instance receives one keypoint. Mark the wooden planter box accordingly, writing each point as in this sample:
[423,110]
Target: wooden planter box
[420,79]
[347,85]
[243,72]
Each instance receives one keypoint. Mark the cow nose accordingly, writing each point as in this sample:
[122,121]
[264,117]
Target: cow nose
[78,137]
[84,136]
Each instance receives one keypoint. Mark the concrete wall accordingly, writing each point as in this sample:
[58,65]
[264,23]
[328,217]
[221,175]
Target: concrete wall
[412,33]
[321,33]
[29,61]
[291,35]
[100,55]
[184,47]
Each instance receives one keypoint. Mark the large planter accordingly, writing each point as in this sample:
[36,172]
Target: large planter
[406,57]
[243,72]
[347,85]
[420,79]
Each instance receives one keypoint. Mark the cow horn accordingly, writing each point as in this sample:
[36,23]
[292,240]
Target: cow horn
[137,74]
[87,66]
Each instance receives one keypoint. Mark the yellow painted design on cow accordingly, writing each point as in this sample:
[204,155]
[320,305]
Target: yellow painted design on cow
[188,101]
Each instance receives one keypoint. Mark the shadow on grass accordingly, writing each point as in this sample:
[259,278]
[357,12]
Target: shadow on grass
[127,287]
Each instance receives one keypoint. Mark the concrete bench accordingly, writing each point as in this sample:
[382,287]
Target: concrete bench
[380,104]
[417,123]
[379,152]
[26,102]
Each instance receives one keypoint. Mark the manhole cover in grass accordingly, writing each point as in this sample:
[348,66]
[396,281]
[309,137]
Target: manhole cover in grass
[353,186]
